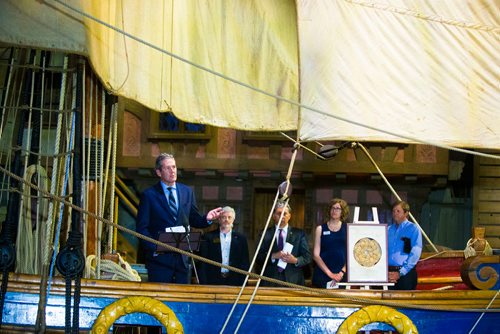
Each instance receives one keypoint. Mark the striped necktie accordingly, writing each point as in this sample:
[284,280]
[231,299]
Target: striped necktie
[172,205]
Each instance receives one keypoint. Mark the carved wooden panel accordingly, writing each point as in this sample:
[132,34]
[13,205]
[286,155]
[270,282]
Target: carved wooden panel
[226,143]
[131,135]
[258,152]
[425,153]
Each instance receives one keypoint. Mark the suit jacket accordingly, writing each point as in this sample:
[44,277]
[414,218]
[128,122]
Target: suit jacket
[153,216]
[294,273]
[238,257]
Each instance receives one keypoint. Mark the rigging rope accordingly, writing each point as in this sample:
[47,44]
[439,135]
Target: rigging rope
[86,173]
[285,195]
[263,267]
[54,182]
[42,205]
[49,226]
[114,131]
[111,153]
[102,178]
[9,226]
[394,192]
[482,314]
[55,166]
[249,269]
[7,91]
[61,259]
[31,229]
[30,234]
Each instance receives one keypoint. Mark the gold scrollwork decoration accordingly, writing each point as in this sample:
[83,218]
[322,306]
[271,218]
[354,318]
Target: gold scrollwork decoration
[137,304]
[377,313]
[484,278]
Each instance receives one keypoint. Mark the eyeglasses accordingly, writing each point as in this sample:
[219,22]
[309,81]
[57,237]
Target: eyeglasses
[336,209]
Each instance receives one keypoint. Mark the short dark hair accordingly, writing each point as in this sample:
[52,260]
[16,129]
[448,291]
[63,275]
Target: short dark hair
[160,159]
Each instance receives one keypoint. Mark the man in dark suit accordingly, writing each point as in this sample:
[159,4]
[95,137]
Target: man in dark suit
[168,204]
[227,247]
[296,260]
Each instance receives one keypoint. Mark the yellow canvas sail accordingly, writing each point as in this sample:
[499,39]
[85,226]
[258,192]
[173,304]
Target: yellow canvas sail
[401,71]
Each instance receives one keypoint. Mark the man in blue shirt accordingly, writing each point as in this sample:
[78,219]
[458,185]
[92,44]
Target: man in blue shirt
[405,248]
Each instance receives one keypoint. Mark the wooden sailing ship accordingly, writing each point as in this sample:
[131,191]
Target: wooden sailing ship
[61,132]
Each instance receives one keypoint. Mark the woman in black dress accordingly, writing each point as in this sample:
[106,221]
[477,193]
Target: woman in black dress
[330,246]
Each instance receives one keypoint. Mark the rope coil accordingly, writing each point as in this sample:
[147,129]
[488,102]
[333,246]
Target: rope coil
[471,251]
[121,271]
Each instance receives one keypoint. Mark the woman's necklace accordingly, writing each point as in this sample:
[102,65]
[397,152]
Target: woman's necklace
[334,226]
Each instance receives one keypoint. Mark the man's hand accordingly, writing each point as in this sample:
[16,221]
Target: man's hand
[289,258]
[394,276]
[214,214]
[277,255]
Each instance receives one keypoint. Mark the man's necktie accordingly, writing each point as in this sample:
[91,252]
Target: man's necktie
[172,205]
[281,243]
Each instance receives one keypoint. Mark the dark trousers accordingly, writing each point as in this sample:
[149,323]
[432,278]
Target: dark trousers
[279,275]
[406,282]
[174,270]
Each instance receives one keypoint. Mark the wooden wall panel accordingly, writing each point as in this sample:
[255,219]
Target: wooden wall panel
[486,198]
[226,149]
[488,218]
[489,194]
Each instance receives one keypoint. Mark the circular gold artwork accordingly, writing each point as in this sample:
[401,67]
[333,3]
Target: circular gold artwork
[367,252]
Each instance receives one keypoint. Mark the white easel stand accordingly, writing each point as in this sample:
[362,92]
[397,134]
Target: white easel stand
[356,216]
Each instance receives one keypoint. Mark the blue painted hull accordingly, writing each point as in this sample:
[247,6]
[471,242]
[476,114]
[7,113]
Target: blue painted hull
[202,317]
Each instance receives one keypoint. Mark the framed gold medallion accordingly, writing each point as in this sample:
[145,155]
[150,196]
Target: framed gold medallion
[367,253]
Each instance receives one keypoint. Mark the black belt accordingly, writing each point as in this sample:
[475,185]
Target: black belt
[394,268]
[224,275]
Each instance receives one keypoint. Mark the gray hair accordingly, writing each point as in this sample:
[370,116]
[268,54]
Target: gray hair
[160,158]
[229,209]
[281,204]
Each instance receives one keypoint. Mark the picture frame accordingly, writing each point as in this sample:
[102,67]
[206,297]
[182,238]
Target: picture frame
[367,256]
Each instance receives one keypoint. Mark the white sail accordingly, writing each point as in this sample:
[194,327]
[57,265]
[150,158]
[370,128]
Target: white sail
[401,71]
